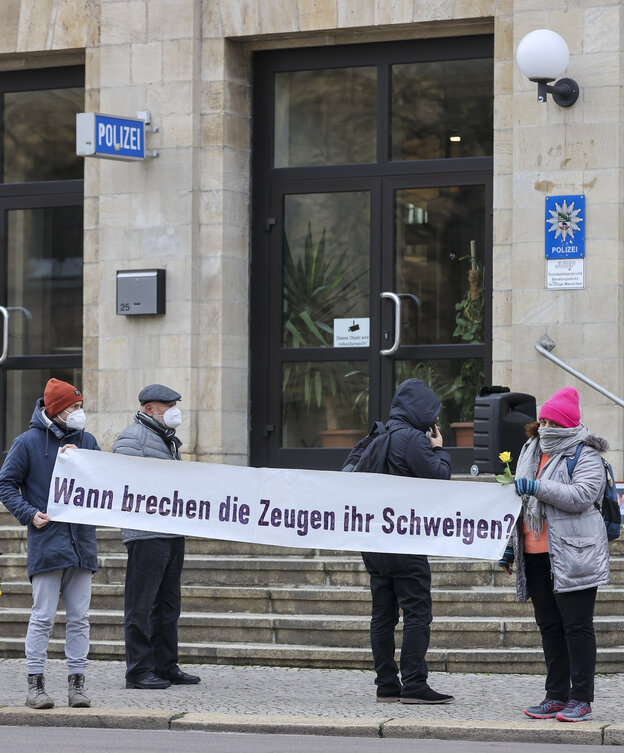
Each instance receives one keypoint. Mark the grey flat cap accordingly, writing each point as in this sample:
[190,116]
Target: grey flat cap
[159,393]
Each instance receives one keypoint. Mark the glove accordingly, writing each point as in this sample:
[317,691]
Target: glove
[526,486]
[507,560]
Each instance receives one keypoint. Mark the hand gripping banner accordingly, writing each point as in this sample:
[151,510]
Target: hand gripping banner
[292,508]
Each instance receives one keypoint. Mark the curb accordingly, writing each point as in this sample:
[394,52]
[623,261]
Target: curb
[547,731]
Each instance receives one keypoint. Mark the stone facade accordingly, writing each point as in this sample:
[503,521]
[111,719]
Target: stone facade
[187,62]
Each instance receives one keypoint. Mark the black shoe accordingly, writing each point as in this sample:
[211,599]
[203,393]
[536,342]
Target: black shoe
[427,696]
[178,677]
[148,682]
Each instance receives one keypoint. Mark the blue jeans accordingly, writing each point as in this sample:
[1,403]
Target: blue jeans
[152,603]
[399,580]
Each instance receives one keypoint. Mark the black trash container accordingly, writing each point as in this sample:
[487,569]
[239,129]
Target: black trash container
[499,421]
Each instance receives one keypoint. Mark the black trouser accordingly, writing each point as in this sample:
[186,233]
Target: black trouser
[399,580]
[152,602]
[566,622]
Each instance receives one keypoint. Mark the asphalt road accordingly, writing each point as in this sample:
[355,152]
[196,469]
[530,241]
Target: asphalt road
[79,740]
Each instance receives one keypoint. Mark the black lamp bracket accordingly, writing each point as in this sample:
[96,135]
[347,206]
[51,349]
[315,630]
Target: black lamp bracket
[565,92]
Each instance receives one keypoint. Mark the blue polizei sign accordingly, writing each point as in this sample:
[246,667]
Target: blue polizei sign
[109,136]
[565,227]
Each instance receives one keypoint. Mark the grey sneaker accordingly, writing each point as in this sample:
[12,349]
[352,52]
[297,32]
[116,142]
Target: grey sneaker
[37,697]
[76,696]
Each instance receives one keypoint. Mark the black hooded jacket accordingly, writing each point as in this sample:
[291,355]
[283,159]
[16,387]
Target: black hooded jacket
[415,408]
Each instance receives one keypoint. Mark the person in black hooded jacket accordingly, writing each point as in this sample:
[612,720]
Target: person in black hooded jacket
[414,448]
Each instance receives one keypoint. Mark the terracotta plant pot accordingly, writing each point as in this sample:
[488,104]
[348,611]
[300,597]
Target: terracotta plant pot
[463,433]
[340,437]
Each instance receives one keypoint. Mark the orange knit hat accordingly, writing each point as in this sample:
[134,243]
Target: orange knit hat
[59,395]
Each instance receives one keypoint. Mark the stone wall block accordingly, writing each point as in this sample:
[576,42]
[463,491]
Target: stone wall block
[9,26]
[171,98]
[592,144]
[123,22]
[124,101]
[212,99]
[178,60]
[170,19]
[239,19]
[115,65]
[146,63]
[321,14]
[424,10]
[176,131]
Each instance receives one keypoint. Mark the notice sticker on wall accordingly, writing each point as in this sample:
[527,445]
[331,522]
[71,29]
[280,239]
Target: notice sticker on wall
[565,274]
[351,333]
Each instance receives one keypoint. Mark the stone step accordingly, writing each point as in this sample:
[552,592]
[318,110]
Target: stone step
[226,570]
[494,661]
[13,539]
[330,600]
[320,630]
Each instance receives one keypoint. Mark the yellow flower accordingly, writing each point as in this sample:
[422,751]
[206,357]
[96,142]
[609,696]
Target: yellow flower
[505,457]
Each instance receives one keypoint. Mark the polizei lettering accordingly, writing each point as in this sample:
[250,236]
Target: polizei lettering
[118,136]
[300,520]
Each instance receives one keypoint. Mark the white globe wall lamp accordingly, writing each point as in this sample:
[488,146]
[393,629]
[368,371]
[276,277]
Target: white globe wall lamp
[542,56]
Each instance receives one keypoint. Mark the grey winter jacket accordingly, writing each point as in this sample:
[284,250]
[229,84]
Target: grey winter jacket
[140,441]
[577,537]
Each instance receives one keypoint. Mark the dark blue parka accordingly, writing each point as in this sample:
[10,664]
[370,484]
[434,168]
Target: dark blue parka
[24,485]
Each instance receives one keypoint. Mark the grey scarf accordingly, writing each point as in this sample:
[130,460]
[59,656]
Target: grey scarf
[557,443]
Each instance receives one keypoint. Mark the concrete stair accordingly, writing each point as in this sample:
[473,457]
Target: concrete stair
[254,604]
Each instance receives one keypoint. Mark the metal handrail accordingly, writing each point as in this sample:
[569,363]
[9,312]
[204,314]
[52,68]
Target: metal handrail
[544,345]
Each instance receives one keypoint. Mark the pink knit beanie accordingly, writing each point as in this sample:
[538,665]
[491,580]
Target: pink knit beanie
[563,408]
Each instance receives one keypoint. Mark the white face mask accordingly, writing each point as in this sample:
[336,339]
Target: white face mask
[76,420]
[172,417]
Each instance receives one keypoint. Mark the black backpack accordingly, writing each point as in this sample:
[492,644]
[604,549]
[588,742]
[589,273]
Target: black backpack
[610,507]
[368,457]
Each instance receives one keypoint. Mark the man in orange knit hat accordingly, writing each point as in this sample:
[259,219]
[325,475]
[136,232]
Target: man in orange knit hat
[62,557]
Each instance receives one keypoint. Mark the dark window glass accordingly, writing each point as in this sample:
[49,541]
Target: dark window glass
[325,117]
[442,109]
[44,291]
[39,135]
[440,251]
[326,265]
[24,388]
[324,403]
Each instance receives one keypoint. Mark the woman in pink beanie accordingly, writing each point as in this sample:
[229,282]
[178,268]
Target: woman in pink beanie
[561,551]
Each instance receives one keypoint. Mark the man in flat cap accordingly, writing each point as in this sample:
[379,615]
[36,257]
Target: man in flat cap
[153,575]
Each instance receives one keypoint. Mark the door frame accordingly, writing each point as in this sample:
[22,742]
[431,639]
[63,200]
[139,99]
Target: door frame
[33,195]
[269,184]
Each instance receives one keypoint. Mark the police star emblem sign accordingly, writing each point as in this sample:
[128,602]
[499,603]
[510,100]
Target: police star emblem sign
[565,227]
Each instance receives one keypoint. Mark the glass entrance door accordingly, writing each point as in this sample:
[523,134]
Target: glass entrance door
[365,304]
[372,241]
[41,210]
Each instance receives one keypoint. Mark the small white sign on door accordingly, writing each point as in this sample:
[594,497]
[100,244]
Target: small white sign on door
[565,274]
[351,333]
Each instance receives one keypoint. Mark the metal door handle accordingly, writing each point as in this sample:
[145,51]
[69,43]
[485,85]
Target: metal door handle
[5,334]
[397,323]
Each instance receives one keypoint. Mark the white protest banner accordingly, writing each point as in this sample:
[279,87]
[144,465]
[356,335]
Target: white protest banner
[294,508]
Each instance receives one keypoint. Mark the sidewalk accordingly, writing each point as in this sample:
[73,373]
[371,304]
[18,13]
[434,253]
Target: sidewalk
[313,701]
